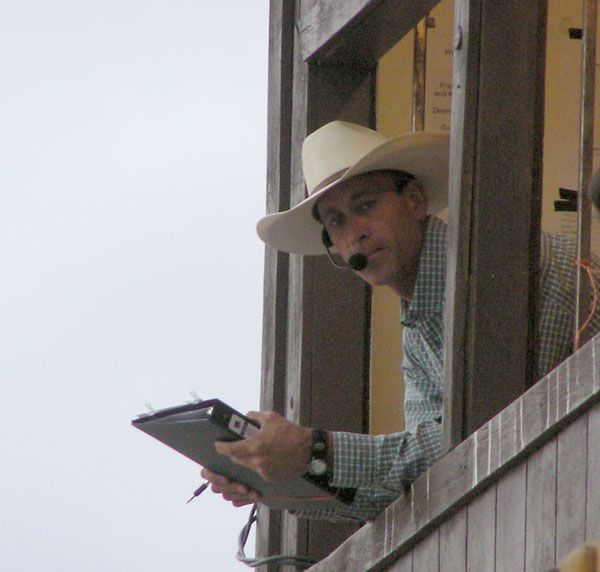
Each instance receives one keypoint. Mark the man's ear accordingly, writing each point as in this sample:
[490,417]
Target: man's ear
[418,199]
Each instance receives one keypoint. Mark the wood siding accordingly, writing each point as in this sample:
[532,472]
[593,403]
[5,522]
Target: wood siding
[518,495]
[496,143]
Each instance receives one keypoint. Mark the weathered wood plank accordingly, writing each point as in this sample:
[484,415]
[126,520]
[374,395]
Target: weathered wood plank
[453,542]
[510,520]
[462,156]
[505,98]
[481,460]
[479,119]
[586,159]
[274,337]
[540,534]
[426,554]
[294,531]
[481,532]
[592,525]
[571,487]
[356,31]
[508,146]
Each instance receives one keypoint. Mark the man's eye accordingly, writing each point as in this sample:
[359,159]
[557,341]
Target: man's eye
[334,221]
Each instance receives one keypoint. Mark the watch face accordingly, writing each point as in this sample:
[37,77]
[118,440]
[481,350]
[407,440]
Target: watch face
[317,467]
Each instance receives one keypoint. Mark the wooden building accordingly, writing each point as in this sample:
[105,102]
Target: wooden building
[519,484]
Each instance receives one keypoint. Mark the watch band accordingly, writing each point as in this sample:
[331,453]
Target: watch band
[318,461]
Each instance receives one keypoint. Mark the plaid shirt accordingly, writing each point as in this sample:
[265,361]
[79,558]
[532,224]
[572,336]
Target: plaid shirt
[381,466]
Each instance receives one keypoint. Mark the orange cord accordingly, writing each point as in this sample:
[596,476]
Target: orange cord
[587,266]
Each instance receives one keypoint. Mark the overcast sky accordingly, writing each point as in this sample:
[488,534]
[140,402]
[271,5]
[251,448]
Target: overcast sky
[132,149]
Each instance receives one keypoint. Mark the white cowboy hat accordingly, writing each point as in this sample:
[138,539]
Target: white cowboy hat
[340,150]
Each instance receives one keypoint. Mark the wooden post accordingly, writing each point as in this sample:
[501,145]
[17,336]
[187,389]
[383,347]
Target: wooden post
[586,149]
[494,198]
[275,309]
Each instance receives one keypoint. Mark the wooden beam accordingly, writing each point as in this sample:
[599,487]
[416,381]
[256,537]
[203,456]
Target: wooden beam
[274,341]
[462,153]
[356,32]
[583,296]
[494,198]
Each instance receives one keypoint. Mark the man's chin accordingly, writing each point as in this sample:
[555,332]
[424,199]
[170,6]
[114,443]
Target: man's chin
[374,278]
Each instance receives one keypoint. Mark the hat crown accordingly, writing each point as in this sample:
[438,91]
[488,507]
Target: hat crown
[334,148]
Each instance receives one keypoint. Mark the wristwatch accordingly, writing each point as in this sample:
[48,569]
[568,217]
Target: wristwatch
[318,461]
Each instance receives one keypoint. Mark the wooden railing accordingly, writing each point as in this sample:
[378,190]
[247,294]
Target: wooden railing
[519,494]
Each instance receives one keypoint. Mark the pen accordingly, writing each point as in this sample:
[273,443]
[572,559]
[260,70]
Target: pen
[198,491]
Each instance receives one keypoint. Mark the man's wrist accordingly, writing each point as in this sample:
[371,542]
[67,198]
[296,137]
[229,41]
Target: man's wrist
[319,464]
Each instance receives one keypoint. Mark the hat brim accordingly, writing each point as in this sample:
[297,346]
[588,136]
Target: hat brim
[425,155]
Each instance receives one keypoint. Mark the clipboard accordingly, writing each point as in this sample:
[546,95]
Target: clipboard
[192,430]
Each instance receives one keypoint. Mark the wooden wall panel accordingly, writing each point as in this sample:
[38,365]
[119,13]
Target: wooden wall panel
[511,494]
[592,528]
[453,542]
[527,427]
[497,130]
[426,554]
[571,487]
[294,539]
[481,531]
[540,534]
[509,143]
[462,156]
[274,340]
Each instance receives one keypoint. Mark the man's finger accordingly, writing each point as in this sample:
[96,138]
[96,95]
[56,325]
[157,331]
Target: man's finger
[238,504]
[256,416]
[235,449]
[244,461]
[214,477]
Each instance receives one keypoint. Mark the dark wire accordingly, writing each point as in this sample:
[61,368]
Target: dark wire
[302,562]
[333,261]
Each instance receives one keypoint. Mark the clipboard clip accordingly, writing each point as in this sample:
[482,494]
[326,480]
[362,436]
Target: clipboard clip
[151,411]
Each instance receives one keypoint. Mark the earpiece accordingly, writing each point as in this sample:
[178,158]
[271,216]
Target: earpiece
[325,238]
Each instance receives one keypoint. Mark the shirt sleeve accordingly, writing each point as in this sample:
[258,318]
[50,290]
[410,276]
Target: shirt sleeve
[381,467]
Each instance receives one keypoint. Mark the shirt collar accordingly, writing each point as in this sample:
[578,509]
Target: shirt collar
[429,292]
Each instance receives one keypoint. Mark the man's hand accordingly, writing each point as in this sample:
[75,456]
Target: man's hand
[280,450]
[236,493]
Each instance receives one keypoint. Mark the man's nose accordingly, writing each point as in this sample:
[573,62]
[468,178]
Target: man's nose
[357,229]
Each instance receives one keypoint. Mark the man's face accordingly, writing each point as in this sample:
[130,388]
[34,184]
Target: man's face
[367,215]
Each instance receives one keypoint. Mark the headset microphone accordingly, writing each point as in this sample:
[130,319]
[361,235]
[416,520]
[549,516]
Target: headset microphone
[358,262]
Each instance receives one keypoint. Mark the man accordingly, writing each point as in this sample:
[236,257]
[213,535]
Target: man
[371,202]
